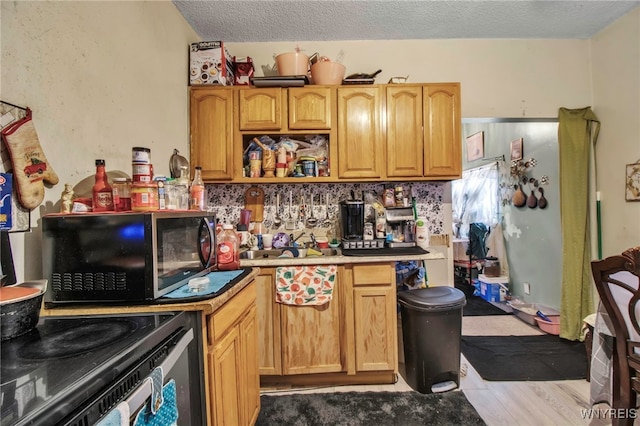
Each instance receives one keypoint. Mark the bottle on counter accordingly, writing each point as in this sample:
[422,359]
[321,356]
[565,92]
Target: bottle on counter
[422,232]
[102,192]
[197,191]
[228,249]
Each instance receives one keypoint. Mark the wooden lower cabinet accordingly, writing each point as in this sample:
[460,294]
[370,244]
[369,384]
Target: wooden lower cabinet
[311,337]
[233,361]
[352,339]
[375,317]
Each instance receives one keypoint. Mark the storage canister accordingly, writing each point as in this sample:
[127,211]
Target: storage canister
[142,172]
[144,196]
[121,189]
[141,155]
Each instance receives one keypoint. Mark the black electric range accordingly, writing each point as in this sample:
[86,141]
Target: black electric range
[65,362]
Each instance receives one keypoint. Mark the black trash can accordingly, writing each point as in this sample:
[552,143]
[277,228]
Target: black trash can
[431,333]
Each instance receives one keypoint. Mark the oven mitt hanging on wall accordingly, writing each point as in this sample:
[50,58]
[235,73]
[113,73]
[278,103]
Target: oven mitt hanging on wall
[30,166]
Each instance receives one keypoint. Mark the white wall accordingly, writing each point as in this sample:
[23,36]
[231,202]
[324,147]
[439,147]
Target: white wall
[616,102]
[499,78]
[101,78]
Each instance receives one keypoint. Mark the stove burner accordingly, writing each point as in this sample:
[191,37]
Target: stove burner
[77,340]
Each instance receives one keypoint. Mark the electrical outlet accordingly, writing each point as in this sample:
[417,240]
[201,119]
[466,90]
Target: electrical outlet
[527,288]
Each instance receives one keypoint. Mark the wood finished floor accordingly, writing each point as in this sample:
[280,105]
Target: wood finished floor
[504,403]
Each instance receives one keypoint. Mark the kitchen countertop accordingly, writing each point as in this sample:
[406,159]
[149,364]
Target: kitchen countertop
[434,254]
[208,306]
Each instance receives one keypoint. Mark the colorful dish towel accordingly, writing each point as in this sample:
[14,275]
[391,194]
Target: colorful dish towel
[305,285]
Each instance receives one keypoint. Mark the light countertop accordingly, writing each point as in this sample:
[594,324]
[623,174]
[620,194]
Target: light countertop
[208,306]
[434,254]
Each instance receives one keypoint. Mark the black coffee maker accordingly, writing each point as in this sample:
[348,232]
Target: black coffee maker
[352,217]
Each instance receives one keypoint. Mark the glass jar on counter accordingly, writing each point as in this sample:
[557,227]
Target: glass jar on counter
[121,189]
[144,196]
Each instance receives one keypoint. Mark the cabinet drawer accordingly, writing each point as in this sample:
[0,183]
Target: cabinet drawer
[229,314]
[373,274]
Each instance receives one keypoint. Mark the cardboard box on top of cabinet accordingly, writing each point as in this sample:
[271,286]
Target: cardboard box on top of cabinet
[210,63]
[5,200]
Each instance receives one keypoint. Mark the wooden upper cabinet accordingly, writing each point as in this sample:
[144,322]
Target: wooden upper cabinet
[211,145]
[360,149]
[442,130]
[310,108]
[404,131]
[261,108]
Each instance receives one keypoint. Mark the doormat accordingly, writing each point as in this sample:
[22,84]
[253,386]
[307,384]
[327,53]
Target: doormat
[525,358]
[367,408]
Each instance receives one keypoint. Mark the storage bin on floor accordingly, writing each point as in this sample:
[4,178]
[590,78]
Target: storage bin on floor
[431,333]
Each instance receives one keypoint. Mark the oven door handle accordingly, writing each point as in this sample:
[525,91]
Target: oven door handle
[140,396]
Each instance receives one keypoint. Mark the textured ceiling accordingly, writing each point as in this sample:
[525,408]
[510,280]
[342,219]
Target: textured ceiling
[312,20]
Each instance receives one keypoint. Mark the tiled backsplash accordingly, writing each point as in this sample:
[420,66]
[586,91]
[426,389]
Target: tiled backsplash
[227,201]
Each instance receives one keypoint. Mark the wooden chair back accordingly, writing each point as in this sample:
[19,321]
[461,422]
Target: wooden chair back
[617,279]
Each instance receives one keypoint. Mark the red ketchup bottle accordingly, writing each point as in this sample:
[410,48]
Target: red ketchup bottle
[228,249]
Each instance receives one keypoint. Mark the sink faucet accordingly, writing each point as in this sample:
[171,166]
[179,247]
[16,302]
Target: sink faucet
[293,240]
[314,243]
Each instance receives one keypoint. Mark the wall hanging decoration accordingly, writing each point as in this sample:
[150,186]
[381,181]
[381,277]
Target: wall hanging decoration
[16,218]
[632,191]
[475,146]
[513,191]
[516,149]
[30,166]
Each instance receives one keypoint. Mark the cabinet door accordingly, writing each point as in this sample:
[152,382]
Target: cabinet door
[212,132]
[269,343]
[250,381]
[360,149]
[376,345]
[260,109]
[310,108]
[227,389]
[404,131]
[311,338]
[442,130]
[375,317]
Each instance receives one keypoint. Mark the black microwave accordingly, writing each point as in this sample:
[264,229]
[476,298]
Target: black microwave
[126,257]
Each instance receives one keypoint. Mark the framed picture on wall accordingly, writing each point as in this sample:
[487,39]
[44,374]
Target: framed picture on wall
[516,149]
[475,146]
[632,191]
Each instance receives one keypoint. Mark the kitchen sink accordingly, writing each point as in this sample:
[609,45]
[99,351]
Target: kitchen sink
[275,253]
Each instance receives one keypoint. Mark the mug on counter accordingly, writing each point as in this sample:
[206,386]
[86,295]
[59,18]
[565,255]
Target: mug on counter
[267,241]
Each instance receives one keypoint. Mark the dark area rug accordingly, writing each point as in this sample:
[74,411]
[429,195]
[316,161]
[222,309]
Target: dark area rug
[368,408]
[522,358]
[476,305]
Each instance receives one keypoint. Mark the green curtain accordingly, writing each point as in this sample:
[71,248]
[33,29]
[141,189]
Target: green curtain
[577,132]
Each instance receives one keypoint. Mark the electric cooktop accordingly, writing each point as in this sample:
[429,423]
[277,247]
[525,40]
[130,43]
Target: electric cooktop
[67,356]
